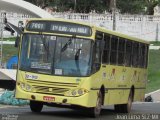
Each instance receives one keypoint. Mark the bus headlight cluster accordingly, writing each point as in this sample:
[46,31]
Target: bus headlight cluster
[25,87]
[28,87]
[76,92]
[22,85]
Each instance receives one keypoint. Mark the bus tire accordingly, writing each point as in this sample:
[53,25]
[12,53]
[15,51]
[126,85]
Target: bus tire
[95,111]
[125,108]
[36,106]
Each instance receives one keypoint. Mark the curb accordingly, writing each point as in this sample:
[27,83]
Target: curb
[152,92]
[155,95]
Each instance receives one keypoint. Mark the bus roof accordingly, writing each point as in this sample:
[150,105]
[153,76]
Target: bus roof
[121,35]
[94,27]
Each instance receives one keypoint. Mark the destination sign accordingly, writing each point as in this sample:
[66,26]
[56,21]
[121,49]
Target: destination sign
[59,27]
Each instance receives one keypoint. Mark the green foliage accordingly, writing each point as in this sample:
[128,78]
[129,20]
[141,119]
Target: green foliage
[86,6]
[62,5]
[9,51]
[80,6]
[150,4]
[153,71]
[9,39]
[131,6]
[155,43]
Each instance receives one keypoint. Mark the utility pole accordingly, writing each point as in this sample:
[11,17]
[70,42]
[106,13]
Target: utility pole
[114,14]
[75,5]
[2,16]
[157,32]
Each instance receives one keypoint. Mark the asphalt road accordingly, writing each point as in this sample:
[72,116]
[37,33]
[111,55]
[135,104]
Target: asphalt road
[140,111]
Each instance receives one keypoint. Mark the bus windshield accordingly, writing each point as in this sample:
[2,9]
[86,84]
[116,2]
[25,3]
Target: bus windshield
[66,56]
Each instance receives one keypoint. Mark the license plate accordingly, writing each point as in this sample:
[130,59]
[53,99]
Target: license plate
[48,98]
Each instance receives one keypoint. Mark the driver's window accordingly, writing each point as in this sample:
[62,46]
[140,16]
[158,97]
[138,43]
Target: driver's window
[97,51]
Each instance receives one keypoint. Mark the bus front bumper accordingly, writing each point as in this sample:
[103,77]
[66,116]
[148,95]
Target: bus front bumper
[87,100]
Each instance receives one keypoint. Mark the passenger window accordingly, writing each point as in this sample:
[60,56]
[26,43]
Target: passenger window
[135,59]
[114,46]
[121,51]
[146,56]
[106,51]
[97,52]
[128,54]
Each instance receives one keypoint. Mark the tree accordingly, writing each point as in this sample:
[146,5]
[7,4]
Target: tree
[86,6]
[131,6]
[150,4]
[82,6]
[41,3]
[137,6]
[99,6]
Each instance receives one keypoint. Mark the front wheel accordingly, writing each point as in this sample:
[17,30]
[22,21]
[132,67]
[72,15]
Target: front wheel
[36,106]
[95,111]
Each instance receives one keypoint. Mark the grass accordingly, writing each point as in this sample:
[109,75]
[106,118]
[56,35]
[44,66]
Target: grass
[9,51]
[153,71]
[9,39]
[155,43]
[153,67]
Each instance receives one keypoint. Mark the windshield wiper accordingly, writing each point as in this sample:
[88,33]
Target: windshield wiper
[77,61]
[68,43]
[45,45]
[77,54]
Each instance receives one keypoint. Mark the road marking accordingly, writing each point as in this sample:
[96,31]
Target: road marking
[8,106]
[145,102]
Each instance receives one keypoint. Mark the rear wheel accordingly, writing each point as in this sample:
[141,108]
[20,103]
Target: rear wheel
[36,106]
[125,108]
[95,111]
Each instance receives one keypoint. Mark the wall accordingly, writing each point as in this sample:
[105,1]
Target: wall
[145,27]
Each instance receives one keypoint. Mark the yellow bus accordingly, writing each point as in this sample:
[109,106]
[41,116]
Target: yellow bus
[67,63]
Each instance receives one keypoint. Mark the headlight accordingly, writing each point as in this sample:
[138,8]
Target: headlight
[80,92]
[25,86]
[76,92]
[22,86]
[28,87]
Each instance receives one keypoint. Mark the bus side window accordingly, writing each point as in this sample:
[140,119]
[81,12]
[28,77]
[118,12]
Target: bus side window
[141,55]
[135,59]
[128,53]
[114,44]
[97,52]
[99,36]
[99,39]
[146,56]
[121,50]
[106,51]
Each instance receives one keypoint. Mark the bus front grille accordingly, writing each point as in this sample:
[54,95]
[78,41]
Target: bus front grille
[50,90]
[53,88]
